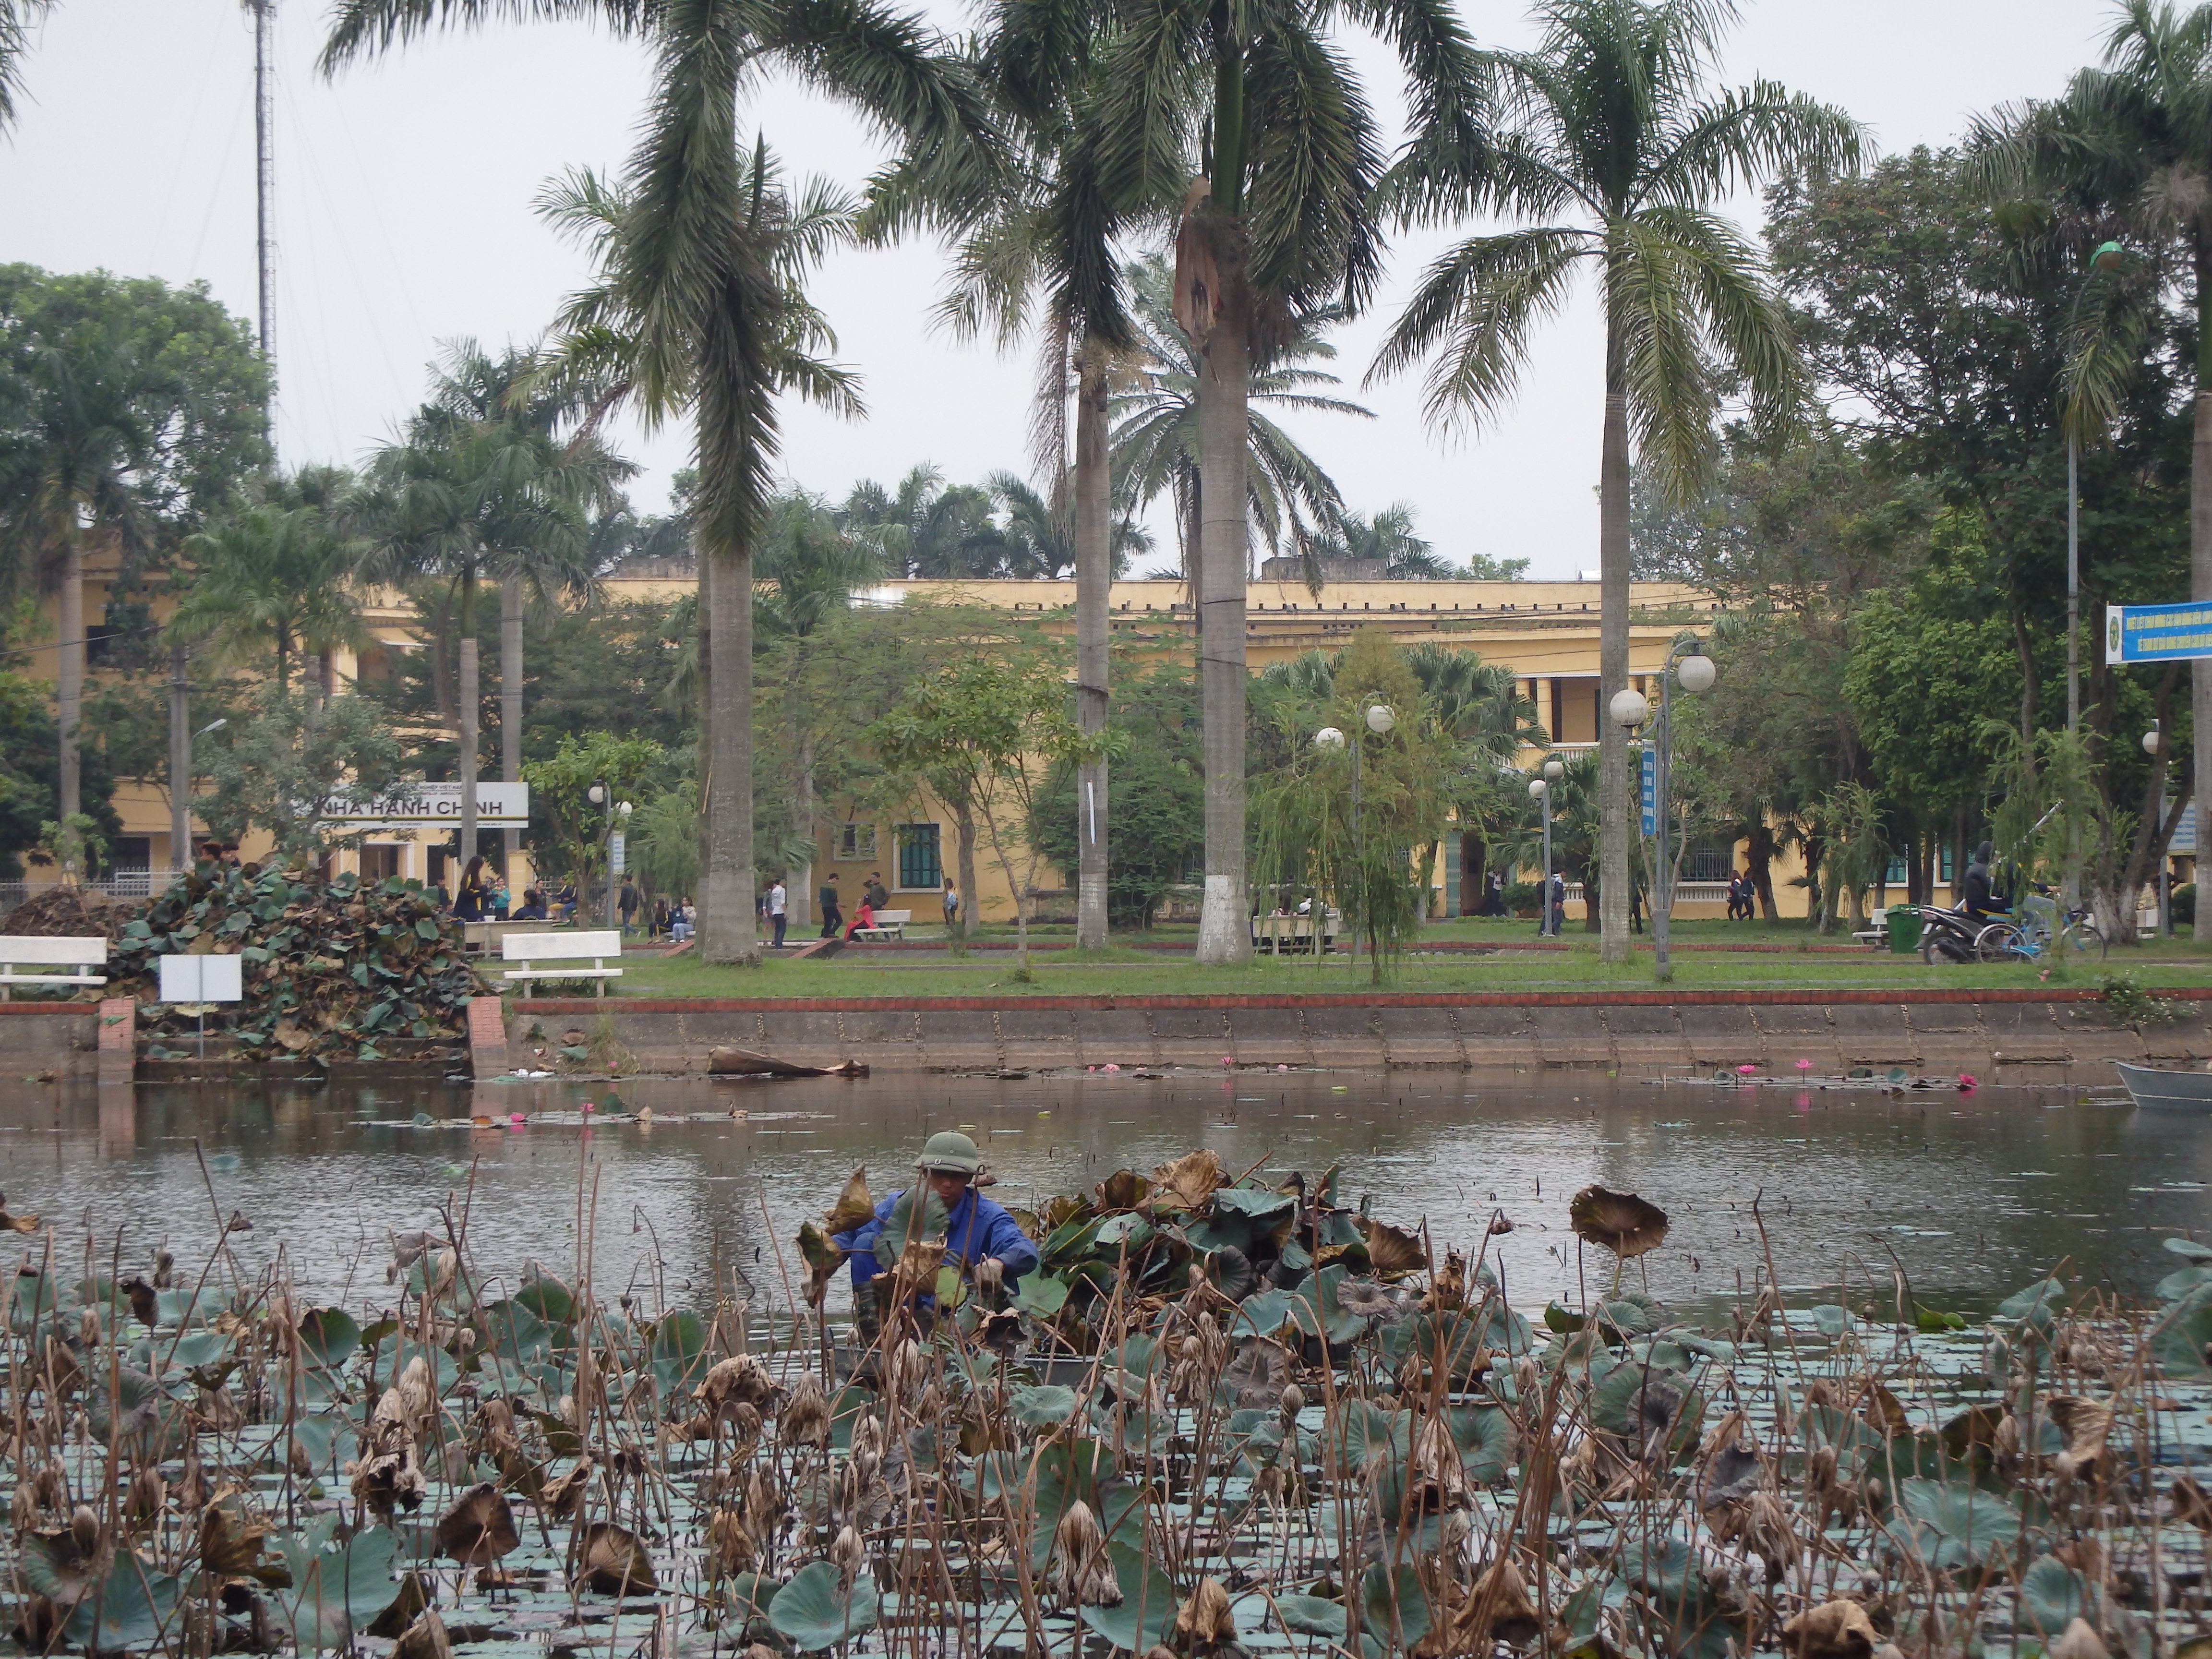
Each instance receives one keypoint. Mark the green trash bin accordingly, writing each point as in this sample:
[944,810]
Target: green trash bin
[1904,928]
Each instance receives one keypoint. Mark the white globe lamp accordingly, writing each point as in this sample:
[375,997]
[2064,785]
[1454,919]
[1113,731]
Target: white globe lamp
[1630,707]
[1697,673]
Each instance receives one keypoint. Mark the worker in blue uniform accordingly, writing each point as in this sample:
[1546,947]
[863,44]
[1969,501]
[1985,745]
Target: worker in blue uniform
[980,1239]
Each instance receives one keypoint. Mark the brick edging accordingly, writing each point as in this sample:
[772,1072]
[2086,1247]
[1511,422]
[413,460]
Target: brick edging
[1374,1000]
[72,1006]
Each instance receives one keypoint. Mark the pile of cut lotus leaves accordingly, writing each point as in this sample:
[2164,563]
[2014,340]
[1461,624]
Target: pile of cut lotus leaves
[1337,1441]
[347,970]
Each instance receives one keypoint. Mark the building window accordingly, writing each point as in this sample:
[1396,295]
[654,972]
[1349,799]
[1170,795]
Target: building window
[919,865]
[379,860]
[857,840]
[1710,860]
[1898,873]
[130,853]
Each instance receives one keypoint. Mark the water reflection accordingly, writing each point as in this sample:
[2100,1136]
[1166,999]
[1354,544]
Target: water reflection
[1971,1195]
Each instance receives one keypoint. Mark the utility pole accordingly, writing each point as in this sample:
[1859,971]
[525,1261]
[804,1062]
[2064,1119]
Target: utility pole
[265,182]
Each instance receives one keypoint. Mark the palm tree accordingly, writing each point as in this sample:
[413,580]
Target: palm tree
[1154,409]
[272,577]
[2134,137]
[79,436]
[16,17]
[1386,541]
[926,528]
[1614,154]
[474,488]
[700,277]
[475,390]
[1250,112]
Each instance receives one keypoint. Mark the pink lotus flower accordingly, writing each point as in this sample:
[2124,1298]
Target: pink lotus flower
[514,1120]
[1111,1067]
[1746,1071]
[1965,1081]
[1804,1064]
[1229,1060]
[1090,1068]
[589,1109]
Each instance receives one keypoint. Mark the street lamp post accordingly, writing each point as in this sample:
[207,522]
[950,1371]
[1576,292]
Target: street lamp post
[601,795]
[1540,790]
[1630,708]
[2152,741]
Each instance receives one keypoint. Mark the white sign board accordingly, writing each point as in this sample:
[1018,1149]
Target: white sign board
[203,979]
[409,805]
[618,851]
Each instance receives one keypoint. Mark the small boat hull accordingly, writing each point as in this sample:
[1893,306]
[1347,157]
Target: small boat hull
[2181,1092]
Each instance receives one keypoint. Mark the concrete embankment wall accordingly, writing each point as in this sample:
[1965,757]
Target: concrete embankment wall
[1993,1032]
[61,1037]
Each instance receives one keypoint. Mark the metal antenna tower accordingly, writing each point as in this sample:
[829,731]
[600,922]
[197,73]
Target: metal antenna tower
[264,178]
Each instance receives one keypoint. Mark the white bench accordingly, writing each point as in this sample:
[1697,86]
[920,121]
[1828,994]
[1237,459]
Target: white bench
[25,950]
[890,924]
[1876,932]
[544,955]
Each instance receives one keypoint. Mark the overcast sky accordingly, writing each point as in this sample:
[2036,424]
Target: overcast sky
[404,218]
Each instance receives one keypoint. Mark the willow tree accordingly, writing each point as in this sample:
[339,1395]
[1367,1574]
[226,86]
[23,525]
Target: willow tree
[1613,153]
[692,268]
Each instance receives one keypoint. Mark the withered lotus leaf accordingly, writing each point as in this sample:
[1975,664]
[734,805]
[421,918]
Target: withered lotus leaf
[1189,1181]
[612,1560]
[822,1258]
[231,1549]
[1392,1251]
[1124,1189]
[853,1207]
[479,1528]
[1834,1630]
[426,1638]
[1620,1222]
[1205,1620]
[1258,1372]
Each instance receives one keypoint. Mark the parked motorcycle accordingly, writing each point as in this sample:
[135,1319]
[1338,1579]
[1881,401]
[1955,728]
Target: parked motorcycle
[1950,935]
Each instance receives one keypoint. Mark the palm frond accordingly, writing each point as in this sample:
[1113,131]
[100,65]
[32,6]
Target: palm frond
[362,28]
[1753,132]
[1655,348]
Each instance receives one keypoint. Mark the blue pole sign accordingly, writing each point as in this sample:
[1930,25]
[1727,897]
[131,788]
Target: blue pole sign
[2158,633]
[1651,790]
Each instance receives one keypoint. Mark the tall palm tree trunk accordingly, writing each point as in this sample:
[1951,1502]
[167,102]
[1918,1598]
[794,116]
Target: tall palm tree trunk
[800,893]
[2200,569]
[1612,664]
[1094,579]
[1224,933]
[180,761]
[466,725]
[726,932]
[70,671]
[510,708]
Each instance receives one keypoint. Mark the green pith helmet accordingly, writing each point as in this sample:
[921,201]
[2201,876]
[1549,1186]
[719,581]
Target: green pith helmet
[948,1149]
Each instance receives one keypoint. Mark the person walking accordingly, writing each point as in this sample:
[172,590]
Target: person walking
[833,913]
[952,910]
[779,900]
[628,902]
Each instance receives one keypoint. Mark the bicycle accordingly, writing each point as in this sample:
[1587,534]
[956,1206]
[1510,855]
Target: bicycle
[2013,939]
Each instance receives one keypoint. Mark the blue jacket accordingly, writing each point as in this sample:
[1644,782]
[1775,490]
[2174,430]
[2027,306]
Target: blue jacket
[977,1229]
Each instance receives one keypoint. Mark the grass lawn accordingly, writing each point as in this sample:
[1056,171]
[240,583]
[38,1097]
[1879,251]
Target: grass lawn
[1124,971]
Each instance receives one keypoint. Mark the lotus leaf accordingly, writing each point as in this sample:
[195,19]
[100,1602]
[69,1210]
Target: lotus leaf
[1263,1315]
[1309,1615]
[1043,1408]
[1066,1472]
[2190,1250]
[132,1608]
[1231,1272]
[1127,1231]
[1315,1308]
[1954,1525]
[1258,1203]
[549,1298]
[1041,1296]
[1620,1222]
[1649,1405]
[337,1585]
[1393,1252]
[818,1609]
[679,1351]
[1484,1434]
[2181,1342]
[328,1336]
[2052,1596]
[2181,1280]
[1146,1614]
[1832,1321]
[853,1207]
[1188,1181]
[2037,1304]
[1124,1189]
[1394,1608]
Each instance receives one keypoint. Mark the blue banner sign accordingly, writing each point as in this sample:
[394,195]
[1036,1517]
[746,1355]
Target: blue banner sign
[1651,780]
[2158,633]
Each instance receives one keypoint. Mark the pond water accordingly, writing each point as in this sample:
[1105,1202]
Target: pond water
[1973,1194]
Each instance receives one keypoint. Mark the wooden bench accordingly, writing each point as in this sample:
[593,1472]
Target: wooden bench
[545,956]
[1294,933]
[890,924]
[24,950]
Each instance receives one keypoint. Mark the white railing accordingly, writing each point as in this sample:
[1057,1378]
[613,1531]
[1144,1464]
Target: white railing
[1685,892]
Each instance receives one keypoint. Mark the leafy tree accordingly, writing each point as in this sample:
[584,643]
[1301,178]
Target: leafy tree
[2129,145]
[982,734]
[1612,156]
[17,18]
[926,528]
[603,665]
[288,754]
[1385,541]
[568,828]
[664,841]
[1160,792]
[29,767]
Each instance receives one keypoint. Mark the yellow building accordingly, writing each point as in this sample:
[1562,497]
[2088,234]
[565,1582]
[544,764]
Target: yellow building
[1546,631]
